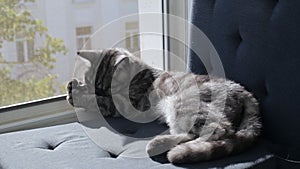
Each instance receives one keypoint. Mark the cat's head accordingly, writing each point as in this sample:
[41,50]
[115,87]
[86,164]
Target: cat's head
[109,68]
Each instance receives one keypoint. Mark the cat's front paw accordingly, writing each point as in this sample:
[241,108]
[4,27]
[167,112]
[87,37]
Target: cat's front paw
[69,92]
[75,90]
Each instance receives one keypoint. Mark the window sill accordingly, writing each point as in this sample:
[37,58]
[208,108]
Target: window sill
[41,113]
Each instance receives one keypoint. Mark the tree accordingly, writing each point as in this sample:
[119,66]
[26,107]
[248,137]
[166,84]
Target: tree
[16,20]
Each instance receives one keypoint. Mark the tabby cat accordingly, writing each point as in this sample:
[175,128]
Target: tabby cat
[208,117]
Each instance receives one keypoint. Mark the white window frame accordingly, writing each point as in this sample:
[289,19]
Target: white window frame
[175,31]
[151,32]
[162,25]
[55,110]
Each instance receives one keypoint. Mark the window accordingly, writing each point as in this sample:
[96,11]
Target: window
[132,36]
[24,49]
[20,51]
[26,2]
[83,35]
[82,1]
[45,54]
[59,33]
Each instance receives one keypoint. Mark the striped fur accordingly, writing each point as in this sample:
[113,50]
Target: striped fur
[208,117]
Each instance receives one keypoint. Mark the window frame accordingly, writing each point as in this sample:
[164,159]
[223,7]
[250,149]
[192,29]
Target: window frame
[151,22]
[182,10]
[55,110]
[36,114]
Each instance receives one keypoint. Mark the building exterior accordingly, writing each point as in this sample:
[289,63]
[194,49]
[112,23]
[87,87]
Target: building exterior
[81,24]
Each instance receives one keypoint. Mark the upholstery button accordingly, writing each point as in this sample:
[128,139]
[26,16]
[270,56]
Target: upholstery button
[50,147]
[112,155]
[239,37]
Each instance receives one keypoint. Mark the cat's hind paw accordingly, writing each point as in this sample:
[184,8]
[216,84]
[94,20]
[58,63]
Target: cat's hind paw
[176,156]
[159,145]
[190,152]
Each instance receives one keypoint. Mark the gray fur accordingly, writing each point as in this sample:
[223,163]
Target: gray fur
[208,117]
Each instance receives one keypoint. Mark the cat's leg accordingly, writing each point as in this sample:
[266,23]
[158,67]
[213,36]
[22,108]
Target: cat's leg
[163,143]
[79,96]
[213,126]
[198,150]
[210,144]
[220,143]
[75,91]
[216,131]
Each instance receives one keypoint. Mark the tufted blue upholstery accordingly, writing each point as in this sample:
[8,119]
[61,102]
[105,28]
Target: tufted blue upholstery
[68,146]
[258,42]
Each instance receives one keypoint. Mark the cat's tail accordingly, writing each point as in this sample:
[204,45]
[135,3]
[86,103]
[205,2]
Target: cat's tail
[250,125]
[199,150]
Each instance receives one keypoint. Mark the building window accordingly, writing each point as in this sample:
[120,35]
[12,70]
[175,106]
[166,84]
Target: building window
[26,2]
[83,37]
[132,36]
[82,1]
[24,49]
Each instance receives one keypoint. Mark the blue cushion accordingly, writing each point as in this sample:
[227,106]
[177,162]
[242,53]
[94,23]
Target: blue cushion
[68,146]
[258,43]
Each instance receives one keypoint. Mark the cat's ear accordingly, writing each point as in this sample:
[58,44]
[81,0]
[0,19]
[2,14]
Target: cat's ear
[89,55]
[121,58]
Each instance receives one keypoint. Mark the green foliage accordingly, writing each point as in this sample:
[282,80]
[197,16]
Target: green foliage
[16,20]
[15,91]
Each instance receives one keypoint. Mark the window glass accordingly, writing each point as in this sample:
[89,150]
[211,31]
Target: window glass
[39,40]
